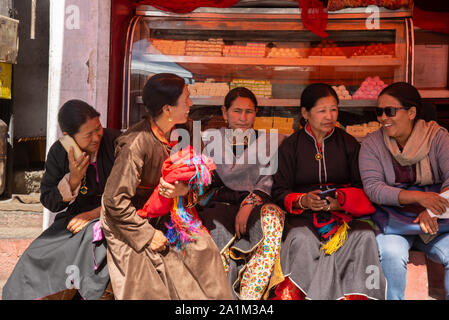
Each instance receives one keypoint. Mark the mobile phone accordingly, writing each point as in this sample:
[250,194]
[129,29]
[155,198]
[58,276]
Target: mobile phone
[68,142]
[328,193]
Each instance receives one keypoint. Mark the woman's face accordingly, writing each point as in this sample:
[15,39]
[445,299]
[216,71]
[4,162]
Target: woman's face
[89,135]
[323,115]
[180,113]
[400,126]
[241,114]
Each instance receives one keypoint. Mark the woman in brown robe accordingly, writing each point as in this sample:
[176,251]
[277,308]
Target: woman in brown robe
[140,261]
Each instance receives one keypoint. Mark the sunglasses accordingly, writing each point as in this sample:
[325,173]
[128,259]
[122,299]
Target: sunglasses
[389,111]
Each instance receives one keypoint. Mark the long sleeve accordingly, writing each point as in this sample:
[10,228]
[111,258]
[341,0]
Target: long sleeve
[56,167]
[282,191]
[372,161]
[118,209]
[440,149]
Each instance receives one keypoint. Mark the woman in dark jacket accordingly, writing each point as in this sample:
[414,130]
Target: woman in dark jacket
[326,252]
[70,256]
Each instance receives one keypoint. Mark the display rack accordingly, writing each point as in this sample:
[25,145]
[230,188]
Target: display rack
[344,60]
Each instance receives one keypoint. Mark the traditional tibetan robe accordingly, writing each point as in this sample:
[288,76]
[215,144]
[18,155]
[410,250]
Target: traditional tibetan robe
[137,272]
[244,175]
[59,260]
[325,254]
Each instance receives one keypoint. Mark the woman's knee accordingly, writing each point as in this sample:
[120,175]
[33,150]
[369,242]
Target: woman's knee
[393,251]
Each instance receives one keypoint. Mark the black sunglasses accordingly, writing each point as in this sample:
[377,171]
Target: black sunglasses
[389,111]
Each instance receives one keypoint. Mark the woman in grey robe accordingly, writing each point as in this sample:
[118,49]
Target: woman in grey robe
[239,216]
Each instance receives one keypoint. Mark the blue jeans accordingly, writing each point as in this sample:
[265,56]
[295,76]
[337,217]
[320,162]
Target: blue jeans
[393,253]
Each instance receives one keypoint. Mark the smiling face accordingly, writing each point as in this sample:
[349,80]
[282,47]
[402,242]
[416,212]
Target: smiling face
[180,113]
[401,125]
[322,117]
[89,135]
[241,114]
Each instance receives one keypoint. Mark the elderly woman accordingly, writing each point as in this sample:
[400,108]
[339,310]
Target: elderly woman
[327,252]
[240,217]
[63,259]
[404,166]
[141,262]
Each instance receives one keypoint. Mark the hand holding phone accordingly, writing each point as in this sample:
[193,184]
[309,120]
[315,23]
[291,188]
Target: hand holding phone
[78,160]
[68,142]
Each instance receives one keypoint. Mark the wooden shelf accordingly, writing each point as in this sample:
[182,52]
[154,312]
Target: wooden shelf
[204,101]
[259,61]
[434,93]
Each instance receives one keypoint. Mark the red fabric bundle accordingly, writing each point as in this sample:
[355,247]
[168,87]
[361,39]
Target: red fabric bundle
[355,201]
[183,166]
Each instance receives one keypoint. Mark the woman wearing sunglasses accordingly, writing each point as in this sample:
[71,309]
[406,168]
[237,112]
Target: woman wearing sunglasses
[404,167]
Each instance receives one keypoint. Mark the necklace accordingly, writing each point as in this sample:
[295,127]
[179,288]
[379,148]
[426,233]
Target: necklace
[84,189]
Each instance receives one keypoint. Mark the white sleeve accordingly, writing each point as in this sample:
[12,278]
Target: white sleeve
[66,191]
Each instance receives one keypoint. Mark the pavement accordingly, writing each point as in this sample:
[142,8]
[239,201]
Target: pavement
[20,223]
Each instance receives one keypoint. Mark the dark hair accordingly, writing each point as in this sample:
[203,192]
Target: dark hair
[407,95]
[239,92]
[162,89]
[312,93]
[73,114]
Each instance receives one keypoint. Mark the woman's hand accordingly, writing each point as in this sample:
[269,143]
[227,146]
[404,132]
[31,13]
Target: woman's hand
[313,201]
[427,223]
[333,203]
[81,220]
[241,219]
[433,201]
[170,191]
[159,242]
[77,168]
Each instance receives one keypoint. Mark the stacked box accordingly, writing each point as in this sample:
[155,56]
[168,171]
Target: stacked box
[261,88]
[250,50]
[212,47]
[169,47]
[213,89]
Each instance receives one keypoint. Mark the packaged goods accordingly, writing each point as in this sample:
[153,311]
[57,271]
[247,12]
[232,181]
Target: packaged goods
[250,50]
[212,89]
[342,92]
[168,47]
[369,89]
[284,53]
[261,88]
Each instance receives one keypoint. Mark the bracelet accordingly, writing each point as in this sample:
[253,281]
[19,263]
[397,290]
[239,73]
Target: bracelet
[300,203]
[252,199]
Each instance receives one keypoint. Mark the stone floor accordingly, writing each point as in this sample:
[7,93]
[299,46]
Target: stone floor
[20,223]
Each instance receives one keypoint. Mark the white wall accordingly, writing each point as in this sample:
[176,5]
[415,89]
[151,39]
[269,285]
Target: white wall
[79,60]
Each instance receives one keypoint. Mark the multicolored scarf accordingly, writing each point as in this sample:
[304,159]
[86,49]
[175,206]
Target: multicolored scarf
[333,226]
[193,169]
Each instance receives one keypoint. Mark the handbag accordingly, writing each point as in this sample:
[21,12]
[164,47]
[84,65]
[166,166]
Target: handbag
[399,220]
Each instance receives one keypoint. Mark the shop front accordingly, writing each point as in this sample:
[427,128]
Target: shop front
[275,51]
